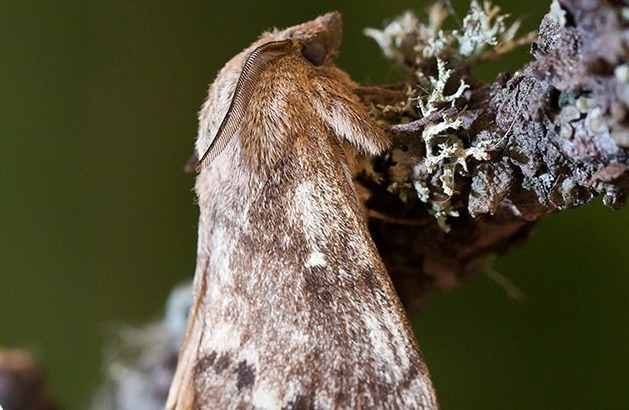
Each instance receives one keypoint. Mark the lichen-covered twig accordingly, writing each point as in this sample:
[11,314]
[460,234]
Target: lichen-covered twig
[473,181]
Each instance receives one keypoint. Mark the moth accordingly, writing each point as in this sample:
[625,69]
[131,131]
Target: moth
[293,307]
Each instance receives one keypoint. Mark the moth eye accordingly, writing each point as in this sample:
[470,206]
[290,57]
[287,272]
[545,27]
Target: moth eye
[315,53]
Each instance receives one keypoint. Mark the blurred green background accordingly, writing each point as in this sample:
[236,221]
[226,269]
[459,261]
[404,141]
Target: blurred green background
[98,116]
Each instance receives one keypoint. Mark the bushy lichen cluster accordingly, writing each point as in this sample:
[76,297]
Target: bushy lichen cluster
[413,43]
[436,58]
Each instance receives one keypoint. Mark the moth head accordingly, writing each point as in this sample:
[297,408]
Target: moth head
[263,128]
[317,41]
[319,38]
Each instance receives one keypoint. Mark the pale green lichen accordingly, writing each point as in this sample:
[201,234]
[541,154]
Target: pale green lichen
[483,35]
[423,192]
[437,96]
[622,73]
[596,121]
[391,38]
[584,104]
[557,13]
[443,211]
[445,151]
[420,47]
[482,28]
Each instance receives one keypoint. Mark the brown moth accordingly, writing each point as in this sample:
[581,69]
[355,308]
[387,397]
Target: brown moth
[293,307]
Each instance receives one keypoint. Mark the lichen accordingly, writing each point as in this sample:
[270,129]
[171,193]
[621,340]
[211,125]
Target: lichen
[437,59]
[437,96]
[557,13]
[482,28]
[413,44]
[622,73]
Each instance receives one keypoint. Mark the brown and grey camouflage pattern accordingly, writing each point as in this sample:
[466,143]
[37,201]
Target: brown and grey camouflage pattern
[293,307]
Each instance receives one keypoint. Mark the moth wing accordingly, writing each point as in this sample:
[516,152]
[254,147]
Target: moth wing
[181,394]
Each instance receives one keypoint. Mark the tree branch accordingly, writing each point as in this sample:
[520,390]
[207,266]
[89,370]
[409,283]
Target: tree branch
[552,137]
